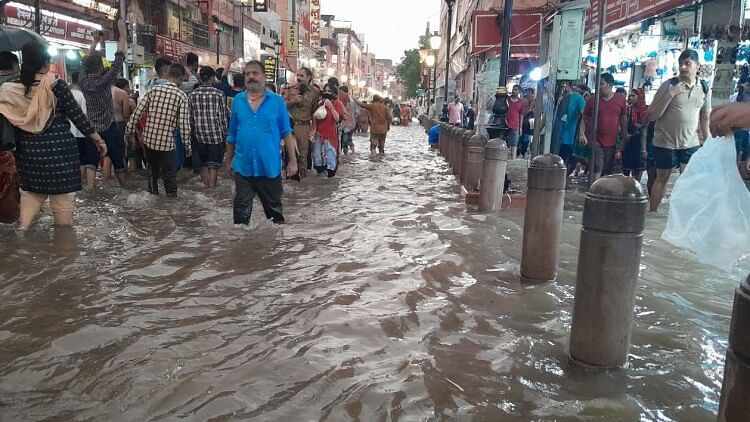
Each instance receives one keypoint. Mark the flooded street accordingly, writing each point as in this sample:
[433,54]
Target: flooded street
[383,298]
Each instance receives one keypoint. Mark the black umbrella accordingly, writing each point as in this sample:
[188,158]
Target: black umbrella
[13,39]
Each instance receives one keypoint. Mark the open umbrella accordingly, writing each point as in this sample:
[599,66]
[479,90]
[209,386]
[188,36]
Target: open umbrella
[13,39]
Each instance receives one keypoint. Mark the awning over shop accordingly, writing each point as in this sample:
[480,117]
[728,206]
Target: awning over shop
[621,13]
[525,33]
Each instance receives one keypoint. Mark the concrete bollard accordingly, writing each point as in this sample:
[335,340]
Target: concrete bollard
[441,138]
[493,174]
[451,146]
[456,154]
[445,149]
[734,405]
[542,222]
[464,155]
[472,172]
[614,214]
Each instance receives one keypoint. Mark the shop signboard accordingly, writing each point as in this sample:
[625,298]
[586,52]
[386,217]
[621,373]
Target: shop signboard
[620,13]
[54,27]
[292,42]
[525,33]
[170,48]
[569,61]
[269,66]
[315,23]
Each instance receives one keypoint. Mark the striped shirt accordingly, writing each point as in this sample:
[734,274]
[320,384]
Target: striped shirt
[96,89]
[208,115]
[166,109]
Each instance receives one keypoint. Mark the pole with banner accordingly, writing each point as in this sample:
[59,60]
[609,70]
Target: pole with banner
[292,41]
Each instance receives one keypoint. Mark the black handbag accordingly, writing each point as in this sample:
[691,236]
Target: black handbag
[7,135]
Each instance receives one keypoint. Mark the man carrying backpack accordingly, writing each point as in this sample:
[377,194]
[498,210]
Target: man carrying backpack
[680,108]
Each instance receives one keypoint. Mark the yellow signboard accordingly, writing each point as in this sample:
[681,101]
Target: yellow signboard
[292,41]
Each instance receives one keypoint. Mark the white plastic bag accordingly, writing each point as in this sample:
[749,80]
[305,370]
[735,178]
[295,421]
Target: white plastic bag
[320,113]
[709,210]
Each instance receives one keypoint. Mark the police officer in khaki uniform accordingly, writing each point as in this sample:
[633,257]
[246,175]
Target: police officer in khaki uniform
[301,100]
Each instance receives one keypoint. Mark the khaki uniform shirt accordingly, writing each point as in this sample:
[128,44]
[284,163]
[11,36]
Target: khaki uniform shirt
[380,118]
[677,128]
[302,112]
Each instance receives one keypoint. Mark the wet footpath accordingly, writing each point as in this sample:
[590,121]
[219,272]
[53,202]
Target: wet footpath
[383,298]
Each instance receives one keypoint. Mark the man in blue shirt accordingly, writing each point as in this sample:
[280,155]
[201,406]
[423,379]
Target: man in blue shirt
[259,121]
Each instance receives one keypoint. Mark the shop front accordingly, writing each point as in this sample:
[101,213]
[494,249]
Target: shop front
[69,38]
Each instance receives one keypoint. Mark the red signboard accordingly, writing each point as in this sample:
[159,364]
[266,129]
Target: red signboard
[315,23]
[525,33]
[621,13]
[173,49]
[57,28]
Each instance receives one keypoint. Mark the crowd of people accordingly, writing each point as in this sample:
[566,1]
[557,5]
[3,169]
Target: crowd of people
[191,115]
[655,138]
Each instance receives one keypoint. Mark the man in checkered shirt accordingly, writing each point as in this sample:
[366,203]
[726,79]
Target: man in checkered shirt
[208,119]
[95,83]
[166,109]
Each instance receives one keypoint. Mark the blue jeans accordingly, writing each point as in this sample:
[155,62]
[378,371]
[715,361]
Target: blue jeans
[323,154]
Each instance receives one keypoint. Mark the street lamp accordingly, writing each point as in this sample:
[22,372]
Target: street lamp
[450,4]
[499,126]
[429,61]
[435,42]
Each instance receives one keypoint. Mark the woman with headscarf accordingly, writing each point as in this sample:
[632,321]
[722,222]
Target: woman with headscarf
[325,137]
[635,153]
[39,106]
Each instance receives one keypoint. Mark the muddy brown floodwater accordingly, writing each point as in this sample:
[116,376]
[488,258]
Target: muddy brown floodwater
[382,299]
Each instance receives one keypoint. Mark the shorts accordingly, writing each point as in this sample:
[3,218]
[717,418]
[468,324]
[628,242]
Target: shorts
[87,153]
[115,140]
[512,140]
[209,155]
[667,159]
[603,159]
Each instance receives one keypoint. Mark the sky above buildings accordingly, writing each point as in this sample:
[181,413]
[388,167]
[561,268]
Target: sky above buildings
[390,26]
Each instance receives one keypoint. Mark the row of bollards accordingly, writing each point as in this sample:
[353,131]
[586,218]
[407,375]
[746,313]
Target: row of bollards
[463,150]
[613,221]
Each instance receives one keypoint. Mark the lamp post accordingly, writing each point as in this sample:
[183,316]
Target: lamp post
[499,127]
[435,46]
[429,61]
[218,46]
[450,4]
[277,44]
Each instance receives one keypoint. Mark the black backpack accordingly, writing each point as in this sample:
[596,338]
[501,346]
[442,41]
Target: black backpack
[7,135]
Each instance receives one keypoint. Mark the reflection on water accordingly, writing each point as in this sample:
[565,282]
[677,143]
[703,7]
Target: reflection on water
[383,298]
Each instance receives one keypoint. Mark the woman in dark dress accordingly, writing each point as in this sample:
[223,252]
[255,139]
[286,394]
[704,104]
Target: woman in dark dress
[46,152]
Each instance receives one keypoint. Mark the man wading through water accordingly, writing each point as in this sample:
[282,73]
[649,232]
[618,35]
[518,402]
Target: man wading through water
[301,100]
[259,121]
[680,109]
[380,121]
